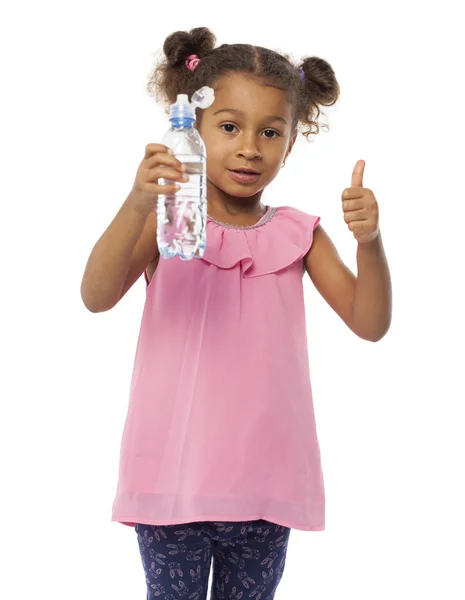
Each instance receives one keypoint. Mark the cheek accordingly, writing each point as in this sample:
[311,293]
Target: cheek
[216,150]
[275,159]
[214,158]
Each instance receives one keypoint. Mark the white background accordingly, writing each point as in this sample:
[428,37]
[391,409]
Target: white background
[75,121]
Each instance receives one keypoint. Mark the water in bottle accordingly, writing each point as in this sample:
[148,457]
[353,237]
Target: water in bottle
[182,216]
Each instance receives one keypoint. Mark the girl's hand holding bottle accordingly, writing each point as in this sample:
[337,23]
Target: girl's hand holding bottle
[157,163]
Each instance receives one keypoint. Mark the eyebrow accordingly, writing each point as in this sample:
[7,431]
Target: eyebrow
[240,112]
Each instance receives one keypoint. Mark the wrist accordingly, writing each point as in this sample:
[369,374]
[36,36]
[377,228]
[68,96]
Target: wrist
[371,242]
[138,205]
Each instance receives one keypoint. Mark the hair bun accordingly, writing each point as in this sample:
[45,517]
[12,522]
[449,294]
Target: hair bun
[181,44]
[321,79]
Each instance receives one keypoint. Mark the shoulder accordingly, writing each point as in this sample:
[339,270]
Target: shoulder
[297,216]
[331,277]
[299,224]
[323,250]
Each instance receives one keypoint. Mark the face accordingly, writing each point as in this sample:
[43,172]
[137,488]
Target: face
[247,126]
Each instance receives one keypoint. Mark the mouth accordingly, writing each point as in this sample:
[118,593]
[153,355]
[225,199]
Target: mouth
[246,170]
[244,175]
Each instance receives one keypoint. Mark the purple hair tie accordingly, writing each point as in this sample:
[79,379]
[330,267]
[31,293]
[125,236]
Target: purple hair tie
[302,74]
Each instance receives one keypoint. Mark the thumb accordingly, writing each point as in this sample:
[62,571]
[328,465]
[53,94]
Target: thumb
[357,174]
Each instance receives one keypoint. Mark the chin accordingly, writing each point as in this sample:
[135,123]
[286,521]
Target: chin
[242,191]
[236,190]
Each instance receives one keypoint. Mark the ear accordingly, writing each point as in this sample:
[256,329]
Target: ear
[291,145]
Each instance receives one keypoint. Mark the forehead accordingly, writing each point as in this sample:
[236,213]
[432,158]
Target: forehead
[251,95]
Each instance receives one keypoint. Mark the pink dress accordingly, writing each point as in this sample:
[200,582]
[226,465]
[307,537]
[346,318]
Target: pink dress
[220,423]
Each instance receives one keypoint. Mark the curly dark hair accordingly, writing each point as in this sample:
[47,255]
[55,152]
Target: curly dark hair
[171,77]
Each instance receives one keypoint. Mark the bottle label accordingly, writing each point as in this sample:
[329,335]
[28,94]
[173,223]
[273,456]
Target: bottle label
[193,168]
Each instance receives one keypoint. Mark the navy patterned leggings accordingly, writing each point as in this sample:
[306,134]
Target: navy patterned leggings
[248,559]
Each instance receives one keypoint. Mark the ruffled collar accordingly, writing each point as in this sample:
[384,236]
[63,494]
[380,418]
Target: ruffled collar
[269,214]
[282,237]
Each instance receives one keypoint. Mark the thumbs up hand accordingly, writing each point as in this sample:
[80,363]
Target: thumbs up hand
[360,208]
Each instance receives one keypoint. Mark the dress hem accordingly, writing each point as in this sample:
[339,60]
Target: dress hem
[132,521]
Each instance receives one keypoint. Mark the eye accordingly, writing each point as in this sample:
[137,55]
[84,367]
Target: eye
[277,134]
[228,125]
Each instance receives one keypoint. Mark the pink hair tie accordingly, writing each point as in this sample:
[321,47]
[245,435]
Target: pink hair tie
[192,61]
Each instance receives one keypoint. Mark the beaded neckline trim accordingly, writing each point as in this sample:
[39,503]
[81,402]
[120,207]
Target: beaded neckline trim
[266,217]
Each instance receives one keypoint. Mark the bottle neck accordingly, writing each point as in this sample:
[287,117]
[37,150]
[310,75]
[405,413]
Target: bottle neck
[182,123]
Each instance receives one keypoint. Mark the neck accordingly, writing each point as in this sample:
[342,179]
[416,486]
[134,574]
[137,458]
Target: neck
[221,205]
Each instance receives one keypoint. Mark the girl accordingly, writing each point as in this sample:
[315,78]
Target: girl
[220,456]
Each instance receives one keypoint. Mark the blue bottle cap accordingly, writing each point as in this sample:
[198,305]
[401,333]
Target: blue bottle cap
[183,109]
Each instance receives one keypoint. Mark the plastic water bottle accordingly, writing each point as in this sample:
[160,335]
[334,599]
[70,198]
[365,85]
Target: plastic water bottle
[182,217]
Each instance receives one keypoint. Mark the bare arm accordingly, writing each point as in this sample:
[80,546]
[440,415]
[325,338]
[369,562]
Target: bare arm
[362,302]
[113,256]
[129,243]
[373,294]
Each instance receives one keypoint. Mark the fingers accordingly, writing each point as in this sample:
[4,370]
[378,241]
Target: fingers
[162,164]
[168,188]
[353,192]
[158,154]
[171,173]
[153,187]
[163,159]
[357,215]
[357,174]
[350,205]
[354,210]
[152,149]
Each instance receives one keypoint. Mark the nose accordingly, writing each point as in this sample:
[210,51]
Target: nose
[248,147]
